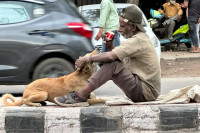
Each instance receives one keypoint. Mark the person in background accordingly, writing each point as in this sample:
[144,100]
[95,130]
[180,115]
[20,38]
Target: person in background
[193,16]
[172,12]
[133,66]
[109,21]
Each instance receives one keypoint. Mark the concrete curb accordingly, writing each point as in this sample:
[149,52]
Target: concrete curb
[101,119]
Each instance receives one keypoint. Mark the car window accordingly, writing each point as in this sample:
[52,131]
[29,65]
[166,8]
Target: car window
[10,13]
[18,11]
[92,16]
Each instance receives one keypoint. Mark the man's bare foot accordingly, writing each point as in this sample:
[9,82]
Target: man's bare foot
[195,49]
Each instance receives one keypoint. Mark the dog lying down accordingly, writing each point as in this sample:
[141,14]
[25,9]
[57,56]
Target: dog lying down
[46,89]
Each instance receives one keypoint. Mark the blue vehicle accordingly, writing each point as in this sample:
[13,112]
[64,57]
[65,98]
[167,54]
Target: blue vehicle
[180,34]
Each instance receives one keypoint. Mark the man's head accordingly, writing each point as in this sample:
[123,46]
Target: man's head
[131,21]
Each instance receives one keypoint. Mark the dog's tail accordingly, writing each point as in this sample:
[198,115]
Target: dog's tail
[96,101]
[5,97]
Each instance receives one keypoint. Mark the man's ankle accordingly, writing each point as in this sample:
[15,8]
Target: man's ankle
[81,96]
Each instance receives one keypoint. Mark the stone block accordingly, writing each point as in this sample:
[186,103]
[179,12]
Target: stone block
[173,118]
[24,120]
[101,119]
[62,120]
[140,118]
[2,121]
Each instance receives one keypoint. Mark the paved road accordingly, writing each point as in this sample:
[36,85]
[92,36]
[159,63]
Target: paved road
[167,84]
[111,89]
[177,83]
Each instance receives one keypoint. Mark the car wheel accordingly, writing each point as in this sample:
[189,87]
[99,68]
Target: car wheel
[53,67]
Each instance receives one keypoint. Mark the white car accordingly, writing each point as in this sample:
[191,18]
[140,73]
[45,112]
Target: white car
[92,12]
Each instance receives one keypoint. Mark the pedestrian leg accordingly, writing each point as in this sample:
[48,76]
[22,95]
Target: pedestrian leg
[170,29]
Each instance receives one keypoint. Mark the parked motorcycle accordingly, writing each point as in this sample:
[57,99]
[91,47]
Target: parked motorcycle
[180,35]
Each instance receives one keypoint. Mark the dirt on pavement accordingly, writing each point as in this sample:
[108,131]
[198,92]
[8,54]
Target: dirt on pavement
[180,64]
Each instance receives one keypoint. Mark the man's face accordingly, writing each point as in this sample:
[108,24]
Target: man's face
[125,29]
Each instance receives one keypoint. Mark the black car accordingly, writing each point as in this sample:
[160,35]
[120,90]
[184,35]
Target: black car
[40,38]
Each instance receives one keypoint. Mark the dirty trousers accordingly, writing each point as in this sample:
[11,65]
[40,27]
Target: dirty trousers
[122,77]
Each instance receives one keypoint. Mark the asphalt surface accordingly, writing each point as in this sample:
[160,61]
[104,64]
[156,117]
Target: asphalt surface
[173,76]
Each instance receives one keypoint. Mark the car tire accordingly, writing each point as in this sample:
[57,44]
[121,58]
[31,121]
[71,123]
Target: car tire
[53,67]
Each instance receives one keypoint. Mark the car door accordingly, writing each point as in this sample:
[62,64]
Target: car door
[23,27]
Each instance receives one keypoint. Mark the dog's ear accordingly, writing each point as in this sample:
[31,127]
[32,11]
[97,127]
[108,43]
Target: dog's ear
[86,68]
[96,51]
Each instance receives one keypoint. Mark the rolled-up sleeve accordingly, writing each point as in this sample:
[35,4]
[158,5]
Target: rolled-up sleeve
[128,49]
[161,11]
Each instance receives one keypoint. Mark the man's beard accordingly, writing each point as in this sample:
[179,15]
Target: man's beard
[128,35]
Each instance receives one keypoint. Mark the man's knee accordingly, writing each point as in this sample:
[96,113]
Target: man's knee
[173,23]
[115,66]
[115,62]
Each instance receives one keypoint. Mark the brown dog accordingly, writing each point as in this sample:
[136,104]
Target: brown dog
[47,89]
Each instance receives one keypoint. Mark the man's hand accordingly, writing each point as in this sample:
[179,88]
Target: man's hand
[178,18]
[81,62]
[165,15]
[99,34]
[108,43]
[182,5]
[199,20]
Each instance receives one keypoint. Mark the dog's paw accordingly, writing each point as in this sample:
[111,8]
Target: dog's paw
[38,105]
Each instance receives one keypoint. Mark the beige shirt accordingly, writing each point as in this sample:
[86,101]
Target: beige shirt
[139,55]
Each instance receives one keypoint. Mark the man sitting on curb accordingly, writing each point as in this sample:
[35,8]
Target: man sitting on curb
[133,66]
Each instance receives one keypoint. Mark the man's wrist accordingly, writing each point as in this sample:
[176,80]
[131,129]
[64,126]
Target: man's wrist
[90,59]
